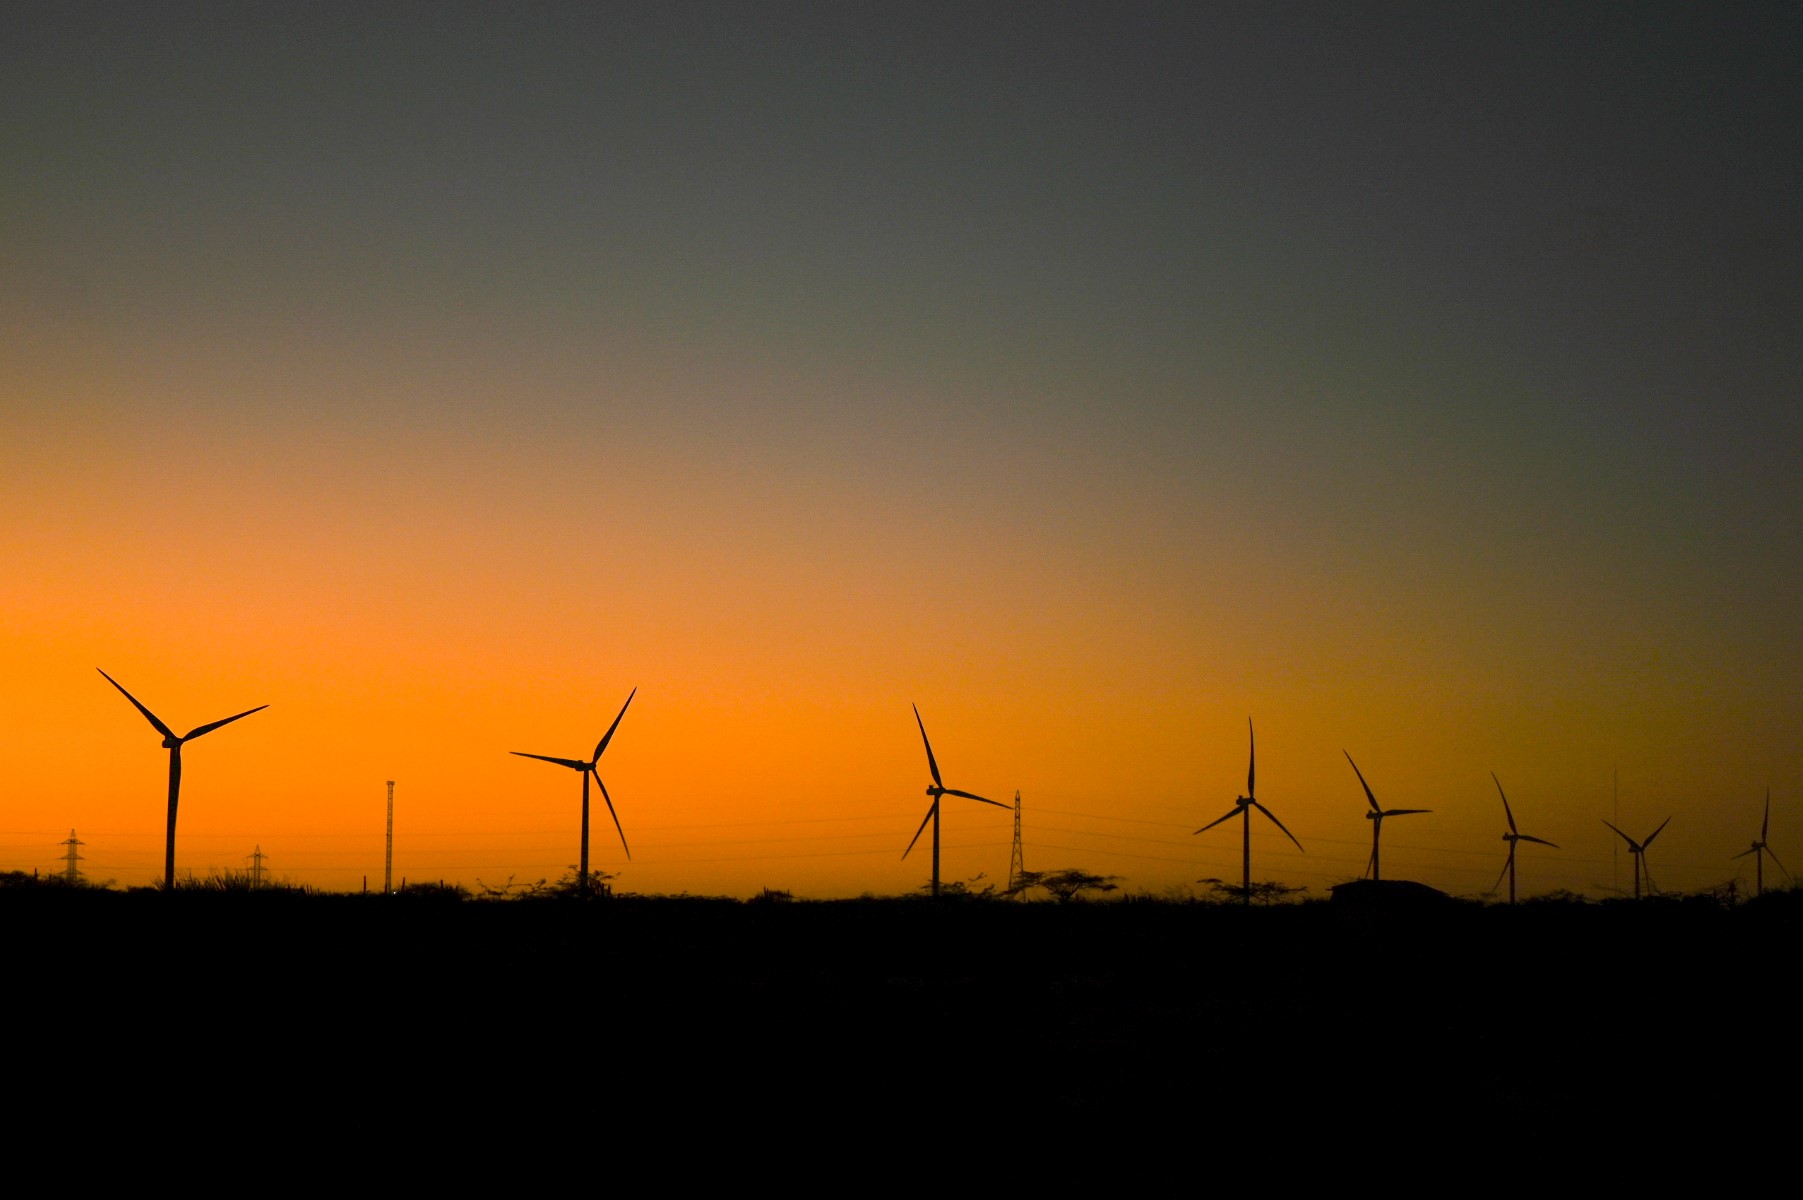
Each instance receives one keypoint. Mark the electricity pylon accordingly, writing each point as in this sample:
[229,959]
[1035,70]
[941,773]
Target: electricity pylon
[1016,867]
[71,872]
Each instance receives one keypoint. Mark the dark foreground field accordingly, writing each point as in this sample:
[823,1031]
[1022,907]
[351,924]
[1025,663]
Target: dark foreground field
[294,1019]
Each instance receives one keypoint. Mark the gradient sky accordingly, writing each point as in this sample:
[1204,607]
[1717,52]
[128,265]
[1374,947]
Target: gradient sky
[1421,381]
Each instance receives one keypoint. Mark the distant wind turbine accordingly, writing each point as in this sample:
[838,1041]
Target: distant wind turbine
[1759,849]
[1242,808]
[174,746]
[936,791]
[588,768]
[1513,837]
[1376,815]
[1638,850]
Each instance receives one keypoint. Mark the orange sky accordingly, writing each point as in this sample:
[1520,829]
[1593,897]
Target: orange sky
[1094,387]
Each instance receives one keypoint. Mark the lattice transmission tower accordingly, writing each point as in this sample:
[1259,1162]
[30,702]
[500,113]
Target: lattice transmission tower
[1016,866]
[71,872]
[256,867]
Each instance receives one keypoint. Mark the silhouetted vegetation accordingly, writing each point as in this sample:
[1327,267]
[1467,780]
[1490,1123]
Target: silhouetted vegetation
[1266,893]
[1556,896]
[30,879]
[439,890]
[225,880]
[812,998]
[1065,885]
[510,890]
[962,889]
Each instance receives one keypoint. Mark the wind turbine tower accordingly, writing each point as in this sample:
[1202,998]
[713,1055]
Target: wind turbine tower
[1759,849]
[71,872]
[587,767]
[388,857]
[1242,808]
[938,792]
[1637,851]
[174,744]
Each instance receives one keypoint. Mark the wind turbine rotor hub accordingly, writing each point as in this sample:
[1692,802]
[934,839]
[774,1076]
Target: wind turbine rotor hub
[935,792]
[170,743]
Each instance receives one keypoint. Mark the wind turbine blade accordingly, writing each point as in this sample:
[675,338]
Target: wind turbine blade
[1781,866]
[610,804]
[1232,812]
[1355,770]
[609,735]
[1370,862]
[1406,812]
[1507,863]
[1632,844]
[974,796]
[1251,760]
[1286,833]
[194,733]
[931,809]
[1765,826]
[1505,800]
[1537,841]
[1655,833]
[932,764]
[148,715]
[573,764]
[1743,854]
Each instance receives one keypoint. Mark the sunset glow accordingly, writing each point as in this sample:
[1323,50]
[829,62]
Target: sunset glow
[1093,383]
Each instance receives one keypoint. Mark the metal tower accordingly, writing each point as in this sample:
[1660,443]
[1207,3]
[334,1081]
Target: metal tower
[71,872]
[388,861]
[256,867]
[1016,867]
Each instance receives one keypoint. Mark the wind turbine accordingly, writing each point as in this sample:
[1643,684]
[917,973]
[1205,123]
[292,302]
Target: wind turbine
[1638,850]
[1513,837]
[1759,849]
[174,746]
[588,768]
[936,791]
[1243,808]
[1376,815]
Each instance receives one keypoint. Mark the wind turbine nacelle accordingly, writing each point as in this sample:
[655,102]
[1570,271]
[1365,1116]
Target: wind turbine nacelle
[170,743]
[1371,816]
[935,792]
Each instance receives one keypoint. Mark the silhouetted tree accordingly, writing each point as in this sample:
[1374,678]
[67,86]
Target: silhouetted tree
[1269,892]
[511,890]
[961,889]
[593,886]
[1066,885]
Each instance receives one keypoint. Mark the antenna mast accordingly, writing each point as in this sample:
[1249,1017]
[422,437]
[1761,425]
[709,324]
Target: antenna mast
[71,872]
[1016,867]
[388,861]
